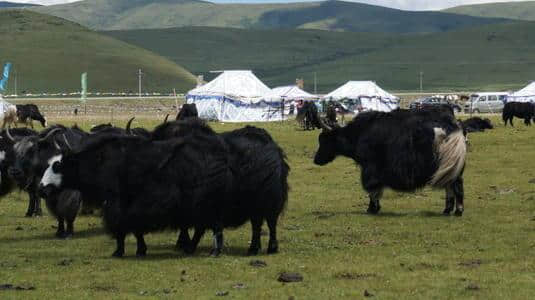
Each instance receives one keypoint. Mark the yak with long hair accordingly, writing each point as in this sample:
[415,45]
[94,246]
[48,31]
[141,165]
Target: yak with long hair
[402,150]
[260,189]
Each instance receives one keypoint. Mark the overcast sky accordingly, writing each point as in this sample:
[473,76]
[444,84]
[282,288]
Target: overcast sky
[401,4]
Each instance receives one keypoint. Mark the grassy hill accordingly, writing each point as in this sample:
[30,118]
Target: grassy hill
[49,54]
[488,57]
[328,15]
[510,10]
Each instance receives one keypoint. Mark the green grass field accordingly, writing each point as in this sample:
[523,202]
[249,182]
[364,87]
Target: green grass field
[522,10]
[409,250]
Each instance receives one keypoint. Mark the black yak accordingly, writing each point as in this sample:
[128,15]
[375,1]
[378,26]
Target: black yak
[27,113]
[476,124]
[187,111]
[308,116]
[260,189]
[147,186]
[403,150]
[7,159]
[520,110]
[32,155]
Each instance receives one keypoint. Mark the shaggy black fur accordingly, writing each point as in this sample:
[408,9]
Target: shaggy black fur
[477,124]
[31,160]
[395,150]
[261,187]
[28,112]
[187,111]
[149,186]
[7,184]
[520,110]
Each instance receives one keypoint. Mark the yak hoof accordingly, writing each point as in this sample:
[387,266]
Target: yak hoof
[65,236]
[374,210]
[28,215]
[272,250]
[117,254]
[142,253]
[459,213]
[447,211]
[215,252]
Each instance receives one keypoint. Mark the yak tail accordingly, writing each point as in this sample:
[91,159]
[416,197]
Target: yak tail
[451,157]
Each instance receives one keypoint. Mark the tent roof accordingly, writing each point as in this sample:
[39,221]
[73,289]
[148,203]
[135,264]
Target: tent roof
[290,92]
[529,90]
[236,84]
[355,89]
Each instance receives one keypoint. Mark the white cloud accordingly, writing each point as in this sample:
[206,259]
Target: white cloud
[401,4]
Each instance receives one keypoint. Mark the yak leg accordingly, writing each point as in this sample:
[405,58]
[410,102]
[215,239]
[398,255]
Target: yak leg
[31,205]
[197,235]
[70,229]
[511,121]
[458,190]
[61,228]
[527,121]
[256,224]
[273,246]
[218,241]
[375,196]
[183,239]
[450,200]
[119,252]
[141,246]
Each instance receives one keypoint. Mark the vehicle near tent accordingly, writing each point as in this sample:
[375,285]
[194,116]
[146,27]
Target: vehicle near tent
[486,102]
[403,150]
[433,102]
[360,96]
[235,96]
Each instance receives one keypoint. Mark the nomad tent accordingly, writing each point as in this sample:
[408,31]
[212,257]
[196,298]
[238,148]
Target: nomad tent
[235,96]
[364,94]
[289,93]
[526,94]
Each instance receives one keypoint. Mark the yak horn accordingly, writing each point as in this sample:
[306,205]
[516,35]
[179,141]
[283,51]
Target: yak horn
[128,131]
[166,117]
[9,135]
[56,145]
[67,142]
[49,134]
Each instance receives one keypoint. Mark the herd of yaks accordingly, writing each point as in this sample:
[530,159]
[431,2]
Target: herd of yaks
[183,175]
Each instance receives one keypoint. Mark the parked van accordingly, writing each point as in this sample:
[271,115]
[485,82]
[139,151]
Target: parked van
[486,103]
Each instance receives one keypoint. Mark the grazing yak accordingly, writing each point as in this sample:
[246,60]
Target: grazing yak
[308,116]
[187,111]
[108,128]
[260,190]
[32,155]
[7,159]
[147,186]
[520,110]
[403,150]
[476,124]
[27,113]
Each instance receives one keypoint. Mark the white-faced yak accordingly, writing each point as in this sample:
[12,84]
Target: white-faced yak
[402,150]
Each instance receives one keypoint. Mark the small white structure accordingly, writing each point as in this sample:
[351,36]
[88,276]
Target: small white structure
[526,94]
[235,96]
[366,95]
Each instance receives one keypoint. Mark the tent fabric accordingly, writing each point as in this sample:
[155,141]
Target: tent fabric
[289,93]
[370,95]
[235,96]
[526,94]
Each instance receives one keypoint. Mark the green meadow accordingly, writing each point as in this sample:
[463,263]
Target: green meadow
[409,250]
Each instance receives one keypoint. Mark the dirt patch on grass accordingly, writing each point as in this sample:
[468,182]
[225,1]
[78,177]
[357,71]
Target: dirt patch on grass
[474,263]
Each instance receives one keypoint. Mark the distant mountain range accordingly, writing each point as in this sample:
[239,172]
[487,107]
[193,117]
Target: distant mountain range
[524,10]
[327,15]
[5,4]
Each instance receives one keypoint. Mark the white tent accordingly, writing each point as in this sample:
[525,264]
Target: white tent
[235,96]
[526,94]
[289,93]
[367,94]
